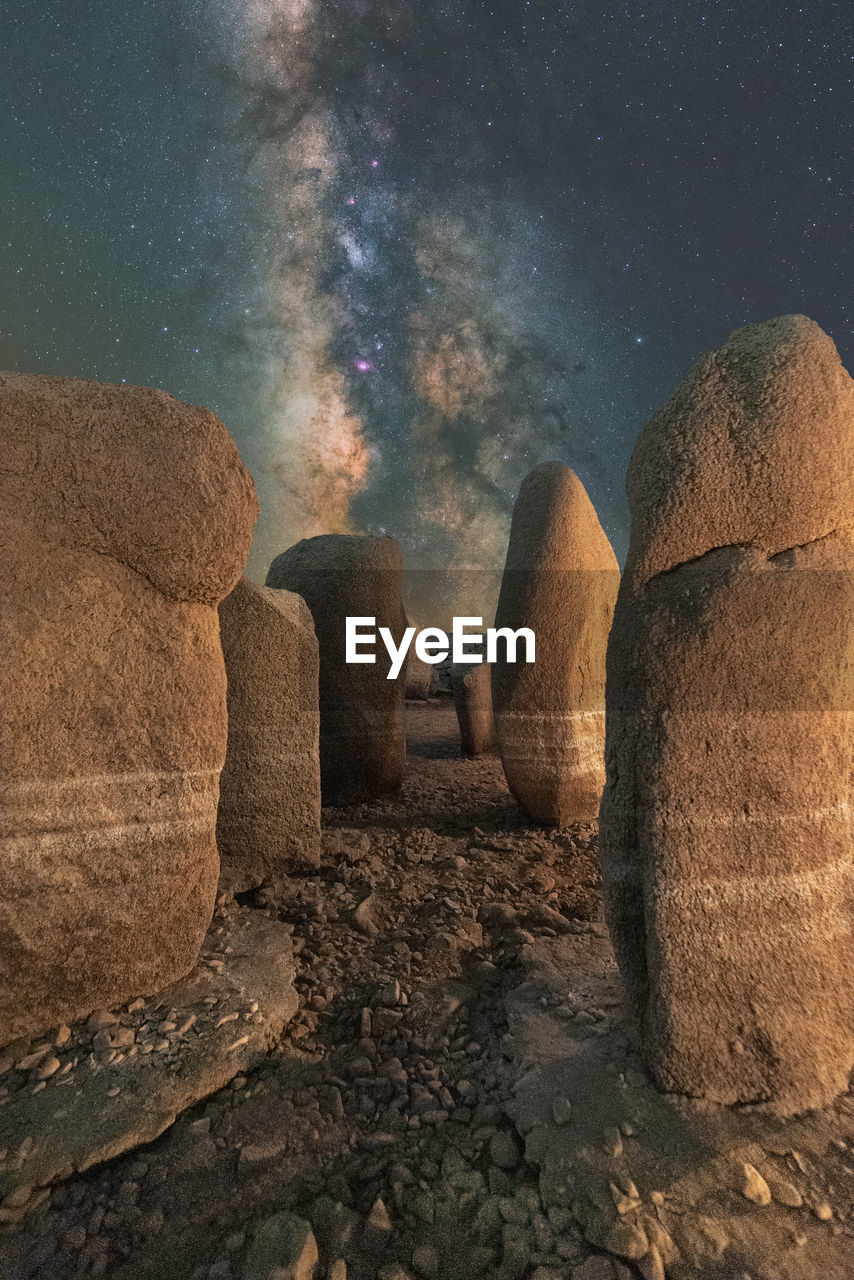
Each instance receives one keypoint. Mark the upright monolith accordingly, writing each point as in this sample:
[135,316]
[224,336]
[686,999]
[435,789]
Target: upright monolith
[560,581]
[417,677]
[125,517]
[473,705]
[362,743]
[269,807]
[726,819]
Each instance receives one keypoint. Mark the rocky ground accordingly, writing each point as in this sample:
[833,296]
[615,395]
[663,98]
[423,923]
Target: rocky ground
[456,1096]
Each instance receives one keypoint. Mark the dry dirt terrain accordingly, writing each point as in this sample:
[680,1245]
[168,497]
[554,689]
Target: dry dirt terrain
[444,1085]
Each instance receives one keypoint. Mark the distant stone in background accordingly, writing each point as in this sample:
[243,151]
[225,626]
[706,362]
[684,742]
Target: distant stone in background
[726,820]
[418,676]
[560,580]
[269,808]
[442,682]
[125,517]
[362,744]
[473,704]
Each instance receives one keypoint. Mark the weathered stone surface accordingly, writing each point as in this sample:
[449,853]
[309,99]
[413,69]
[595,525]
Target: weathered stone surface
[269,808]
[225,1016]
[418,677]
[680,1161]
[283,1246]
[726,821]
[560,580]
[473,704]
[442,682]
[362,745]
[125,517]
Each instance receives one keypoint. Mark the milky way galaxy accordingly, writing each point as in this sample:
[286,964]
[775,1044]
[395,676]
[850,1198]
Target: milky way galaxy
[409,249]
[423,366]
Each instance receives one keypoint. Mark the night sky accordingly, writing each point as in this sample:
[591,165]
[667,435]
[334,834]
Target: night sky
[408,250]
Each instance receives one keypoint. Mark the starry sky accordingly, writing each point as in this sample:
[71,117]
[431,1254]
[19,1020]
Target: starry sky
[408,249]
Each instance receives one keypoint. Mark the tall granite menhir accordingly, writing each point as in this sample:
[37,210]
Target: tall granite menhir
[269,808]
[362,743]
[125,518]
[726,819]
[560,580]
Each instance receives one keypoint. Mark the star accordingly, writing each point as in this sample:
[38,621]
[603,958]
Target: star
[535,201]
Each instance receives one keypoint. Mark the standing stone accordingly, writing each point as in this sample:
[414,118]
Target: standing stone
[726,819]
[442,683]
[418,676]
[362,743]
[269,807]
[473,705]
[560,580]
[125,518]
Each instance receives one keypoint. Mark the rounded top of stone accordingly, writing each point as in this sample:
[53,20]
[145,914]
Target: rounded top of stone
[555,525]
[248,597]
[336,552]
[755,447]
[128,472]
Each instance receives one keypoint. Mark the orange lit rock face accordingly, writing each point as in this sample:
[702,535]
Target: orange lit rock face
[269,808]
[726,819]
[125,517]
[362,745]
[560,580]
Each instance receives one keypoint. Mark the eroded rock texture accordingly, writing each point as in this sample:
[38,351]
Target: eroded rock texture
[269,809]
[473,704]
[125,518]
[362,743]
[560,580]
[418,677]
[726,820]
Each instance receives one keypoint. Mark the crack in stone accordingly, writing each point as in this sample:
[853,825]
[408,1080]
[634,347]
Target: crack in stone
[750,546]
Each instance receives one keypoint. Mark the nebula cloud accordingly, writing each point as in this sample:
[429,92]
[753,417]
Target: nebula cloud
[315,455]
[413,373]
